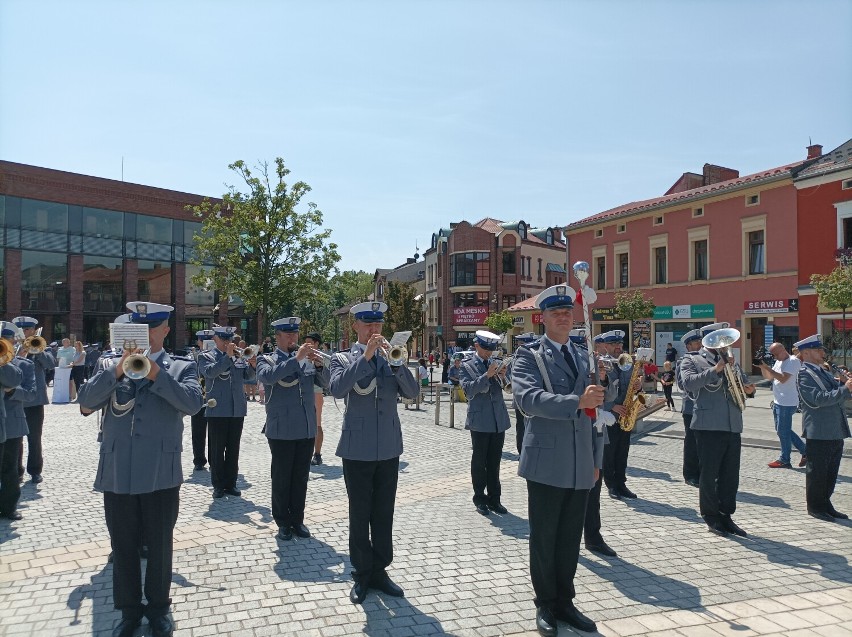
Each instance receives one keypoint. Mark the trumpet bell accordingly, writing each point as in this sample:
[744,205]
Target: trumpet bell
[7,352]
[136,366]
[397,355]
[35,344]
[720,339]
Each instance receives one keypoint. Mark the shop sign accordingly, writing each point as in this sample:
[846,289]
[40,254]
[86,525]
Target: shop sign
[604,314]
[662,312]
[517,320]
[536,318]
[772,306]
[470,315]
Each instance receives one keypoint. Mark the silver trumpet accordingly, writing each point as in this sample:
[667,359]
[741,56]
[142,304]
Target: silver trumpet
[135,366]
[324,356]
[247,352]
[396,355]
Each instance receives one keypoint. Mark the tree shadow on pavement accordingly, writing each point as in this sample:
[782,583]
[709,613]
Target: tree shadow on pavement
[511,525]
[389,616]
[99,591]
[234,509]
[763,500]
[309,560]
[644,586]
[831,566]
[636,472]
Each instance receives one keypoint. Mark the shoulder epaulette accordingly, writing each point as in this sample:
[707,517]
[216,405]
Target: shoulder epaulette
[533,345]
[182,358]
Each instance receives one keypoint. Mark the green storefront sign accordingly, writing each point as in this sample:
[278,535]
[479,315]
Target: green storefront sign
[663,312]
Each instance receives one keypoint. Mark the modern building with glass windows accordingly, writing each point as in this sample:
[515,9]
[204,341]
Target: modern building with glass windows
[74,249]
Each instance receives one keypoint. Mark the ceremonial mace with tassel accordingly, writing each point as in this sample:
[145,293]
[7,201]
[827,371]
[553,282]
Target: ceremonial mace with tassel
[588,296]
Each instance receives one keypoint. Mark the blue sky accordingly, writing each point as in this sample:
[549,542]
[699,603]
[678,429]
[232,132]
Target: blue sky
[405,116]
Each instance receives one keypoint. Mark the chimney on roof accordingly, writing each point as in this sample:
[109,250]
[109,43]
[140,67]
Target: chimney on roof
[714,174]
[814,151]
[409,260]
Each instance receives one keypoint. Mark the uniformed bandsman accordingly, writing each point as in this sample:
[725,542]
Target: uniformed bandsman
[691,468]
[592,536]
[487,420]
[289,377]
[224,377]
[561,457]
[370,445]
[10,378]
[34,408]
[15,425]
[824,424]
[717,423]
[199,420]
[617,449]
[521,339]
[140,467]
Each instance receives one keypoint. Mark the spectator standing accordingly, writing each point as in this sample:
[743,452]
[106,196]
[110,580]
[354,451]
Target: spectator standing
[78,372]
[267,347]
[667,379]
[785,401]
[671,354]
[65,355]
[445,368]
[651,370]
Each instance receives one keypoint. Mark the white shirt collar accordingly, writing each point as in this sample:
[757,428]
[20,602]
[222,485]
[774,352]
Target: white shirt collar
[553,343]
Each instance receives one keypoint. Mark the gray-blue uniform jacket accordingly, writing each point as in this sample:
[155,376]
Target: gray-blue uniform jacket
[823,417]
[289,387]
[561,447]
[10,377]
[371,427]
[224,380]
[714,409]
[486,411]
[43,362]
[688,403]
[143,424]
[16,419]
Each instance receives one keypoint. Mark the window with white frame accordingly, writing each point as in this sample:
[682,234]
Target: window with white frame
[658,249]
[599,264]
[844,224]
[754,253]
[699,253]
[622,264]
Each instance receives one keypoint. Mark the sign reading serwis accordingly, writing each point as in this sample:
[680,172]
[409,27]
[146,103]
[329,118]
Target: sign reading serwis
[771,306]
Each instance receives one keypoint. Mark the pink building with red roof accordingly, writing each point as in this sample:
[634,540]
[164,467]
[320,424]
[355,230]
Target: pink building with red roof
[716,247]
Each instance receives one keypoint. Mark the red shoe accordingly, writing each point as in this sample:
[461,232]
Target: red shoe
[777,464]
[803,462]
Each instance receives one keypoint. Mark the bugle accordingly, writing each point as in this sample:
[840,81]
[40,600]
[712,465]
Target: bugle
[396,355]
[135,366]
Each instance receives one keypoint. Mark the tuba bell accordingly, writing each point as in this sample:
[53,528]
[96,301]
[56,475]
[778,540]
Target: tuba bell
[7,352]
[720,341]
[34,344]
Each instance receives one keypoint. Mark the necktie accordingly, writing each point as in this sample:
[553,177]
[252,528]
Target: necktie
[570,360]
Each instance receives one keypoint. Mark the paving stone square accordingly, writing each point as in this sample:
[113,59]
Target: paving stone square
[464,574]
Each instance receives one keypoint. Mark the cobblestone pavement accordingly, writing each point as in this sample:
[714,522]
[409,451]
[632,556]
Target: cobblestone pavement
[463,574]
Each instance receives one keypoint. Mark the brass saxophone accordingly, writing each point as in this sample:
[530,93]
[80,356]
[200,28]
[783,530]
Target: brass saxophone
[635,400]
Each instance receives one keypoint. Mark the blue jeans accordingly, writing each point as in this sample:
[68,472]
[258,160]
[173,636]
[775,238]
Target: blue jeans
[784,428]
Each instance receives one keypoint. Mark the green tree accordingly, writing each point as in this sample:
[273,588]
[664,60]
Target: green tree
[262,245]
[835,292]
[632,306]
[345,288]
[500,322]
[404,312]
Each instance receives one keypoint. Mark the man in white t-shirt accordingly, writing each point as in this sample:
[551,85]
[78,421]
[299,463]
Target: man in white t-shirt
[785,402]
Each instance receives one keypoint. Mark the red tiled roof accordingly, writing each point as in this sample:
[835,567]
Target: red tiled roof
[639,206]
[526,304]
[494,226]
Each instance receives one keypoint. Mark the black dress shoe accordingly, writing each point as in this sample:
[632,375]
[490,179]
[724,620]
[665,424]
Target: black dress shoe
[624,492]
[821,515]
[126,627]
[614,494]
[14,515]
[37,478]
[218,493]
[692,482]
[570,615]
[482,509]
[717,528]
[386,585]
[732,527]
[358,593]
[234,492]
[545,622]
[498,508]
[198,467]
[837,515]
[161,626]
[301,530]
[316,460]
[601,548]
[285,533]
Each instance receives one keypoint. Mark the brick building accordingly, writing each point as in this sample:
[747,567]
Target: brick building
[715,247]
[824,195]
[74,249]
[475,269]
